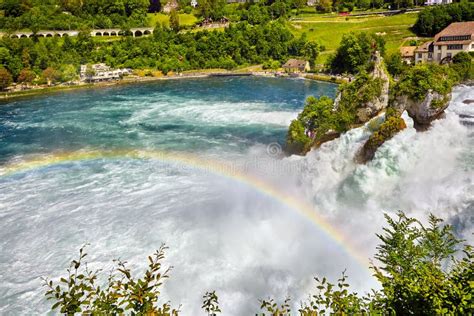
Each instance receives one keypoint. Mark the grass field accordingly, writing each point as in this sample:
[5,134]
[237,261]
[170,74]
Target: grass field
[329,29]
[184,19]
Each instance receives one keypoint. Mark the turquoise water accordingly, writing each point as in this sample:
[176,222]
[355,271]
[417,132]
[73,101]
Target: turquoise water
[216,227]
[220,114]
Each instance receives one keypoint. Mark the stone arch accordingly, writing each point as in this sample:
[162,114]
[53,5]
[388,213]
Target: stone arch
[147,32]
[138,33]
[57,35]
[98,34]
[65,34]
[113,33]
[23,36]
[106,34]
[49,35]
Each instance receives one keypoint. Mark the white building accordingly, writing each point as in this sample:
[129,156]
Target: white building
[457,37]
[102,72]
[438,2]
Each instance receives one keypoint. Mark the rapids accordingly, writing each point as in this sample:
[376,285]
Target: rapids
[224,234]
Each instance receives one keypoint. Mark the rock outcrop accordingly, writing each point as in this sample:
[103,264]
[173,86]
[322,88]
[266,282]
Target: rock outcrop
[380,102]
[425,111]
[389,128]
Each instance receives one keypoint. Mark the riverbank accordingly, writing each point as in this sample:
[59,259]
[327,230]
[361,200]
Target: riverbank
[43,90]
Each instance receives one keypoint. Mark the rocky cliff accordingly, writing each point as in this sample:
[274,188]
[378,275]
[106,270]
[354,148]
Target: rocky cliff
[423,112]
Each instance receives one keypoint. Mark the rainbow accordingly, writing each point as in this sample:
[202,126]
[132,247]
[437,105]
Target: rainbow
[195,162]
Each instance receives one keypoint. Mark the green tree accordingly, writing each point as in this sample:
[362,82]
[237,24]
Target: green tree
[51,75]
[6,78]
[395,64]
[69,73]
[462,65]
[26,76]
[174,20]
[412,274]
[355,52]
[324,6]
[297,141]
[311,52]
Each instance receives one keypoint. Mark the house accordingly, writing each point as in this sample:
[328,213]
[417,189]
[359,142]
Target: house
[408,54]
[296,66]
[438,2]
[102,72]
[424,53]
[457,37]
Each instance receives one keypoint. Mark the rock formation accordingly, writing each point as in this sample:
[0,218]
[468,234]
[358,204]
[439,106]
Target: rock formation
[380,102]
[425,111]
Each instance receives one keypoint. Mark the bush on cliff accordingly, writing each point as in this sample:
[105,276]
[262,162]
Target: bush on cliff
[320,116]
[418,80]
[387,130]
[355,52]
[354,95]
[297,141]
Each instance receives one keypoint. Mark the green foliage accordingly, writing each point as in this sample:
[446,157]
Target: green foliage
[363,89]
[420,269]
[297,141]
[5,78]
[72,14]
[174,21]
[333,299]
[416,82]
[167,50]
[395,64]
[321,116]
[80,291]
[272,307]
[212,9]
[433,19]
[26,76]
[211,303]
[355,52]
[318,116]
[389,128]
[419,273]
[271,64]
[462,65]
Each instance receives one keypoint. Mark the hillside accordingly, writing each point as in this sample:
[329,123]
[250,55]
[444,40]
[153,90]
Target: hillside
[328,29]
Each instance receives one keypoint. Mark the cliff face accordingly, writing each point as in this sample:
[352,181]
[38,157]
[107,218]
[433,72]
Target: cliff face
[375,94]
[425,111]
[424,92]
[380,102]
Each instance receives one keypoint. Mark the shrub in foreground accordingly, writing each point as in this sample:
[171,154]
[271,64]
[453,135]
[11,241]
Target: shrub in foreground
[420,268]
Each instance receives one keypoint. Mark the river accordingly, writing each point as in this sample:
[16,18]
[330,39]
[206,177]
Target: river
[197,164]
